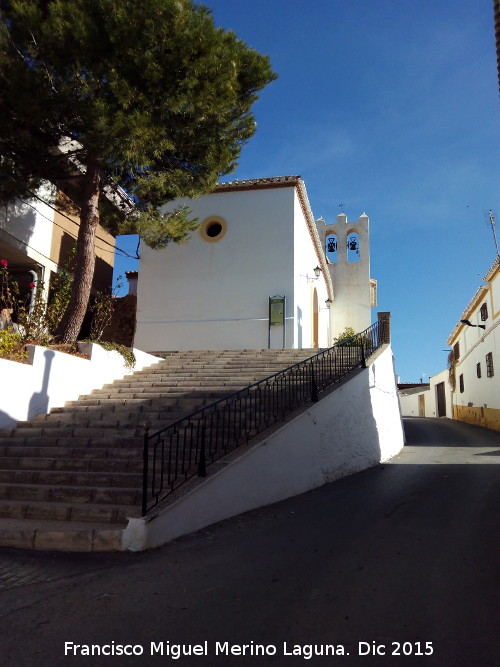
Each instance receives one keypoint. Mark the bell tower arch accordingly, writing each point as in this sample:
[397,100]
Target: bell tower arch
[350,272]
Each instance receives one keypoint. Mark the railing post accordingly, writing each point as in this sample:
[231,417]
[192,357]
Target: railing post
[145,461]
[202,463]
[363,355]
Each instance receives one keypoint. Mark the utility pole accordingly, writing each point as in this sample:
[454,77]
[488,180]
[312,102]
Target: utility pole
[492,222]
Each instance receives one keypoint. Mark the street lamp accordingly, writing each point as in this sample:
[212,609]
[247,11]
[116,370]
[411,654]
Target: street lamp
[481,326]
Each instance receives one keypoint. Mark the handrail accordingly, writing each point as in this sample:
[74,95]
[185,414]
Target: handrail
[183,449]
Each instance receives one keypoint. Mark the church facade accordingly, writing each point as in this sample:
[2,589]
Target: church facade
[259,272]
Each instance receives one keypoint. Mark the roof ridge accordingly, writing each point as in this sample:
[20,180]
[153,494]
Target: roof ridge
[266,180]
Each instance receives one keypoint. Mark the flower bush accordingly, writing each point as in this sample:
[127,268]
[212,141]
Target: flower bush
[37,318]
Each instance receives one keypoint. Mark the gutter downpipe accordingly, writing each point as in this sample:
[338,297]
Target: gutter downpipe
[33,291]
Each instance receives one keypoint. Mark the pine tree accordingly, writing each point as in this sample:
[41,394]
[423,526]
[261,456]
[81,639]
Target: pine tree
[150,96]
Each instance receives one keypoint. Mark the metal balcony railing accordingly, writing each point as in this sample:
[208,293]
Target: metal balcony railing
[185,448]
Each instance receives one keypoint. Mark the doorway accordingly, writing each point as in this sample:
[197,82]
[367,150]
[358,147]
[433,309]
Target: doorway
[441,400]
[421,405]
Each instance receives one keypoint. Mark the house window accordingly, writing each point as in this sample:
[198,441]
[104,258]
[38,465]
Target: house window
[456,351]
[461,383]
[478,370]
[484,312]
[490,371]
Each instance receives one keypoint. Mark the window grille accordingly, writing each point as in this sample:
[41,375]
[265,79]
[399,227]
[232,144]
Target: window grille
[490,371]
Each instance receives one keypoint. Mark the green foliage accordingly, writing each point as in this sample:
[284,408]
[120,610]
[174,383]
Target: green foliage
[150,96]
[60,293]
[36,319]
[346,337]
[12,346]
[158,229]
[452,363]
[34,325]
[152,90]
[102,308]
[126,352]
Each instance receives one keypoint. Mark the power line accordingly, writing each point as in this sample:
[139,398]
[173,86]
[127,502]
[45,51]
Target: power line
[56,210]
[33,194]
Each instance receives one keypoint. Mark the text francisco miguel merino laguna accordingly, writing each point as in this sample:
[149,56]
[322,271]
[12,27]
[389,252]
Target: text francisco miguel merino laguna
[306,651]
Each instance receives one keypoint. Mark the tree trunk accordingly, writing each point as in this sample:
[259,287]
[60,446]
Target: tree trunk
[71,323]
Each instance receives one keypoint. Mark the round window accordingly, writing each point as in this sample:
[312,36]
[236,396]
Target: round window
[213,229]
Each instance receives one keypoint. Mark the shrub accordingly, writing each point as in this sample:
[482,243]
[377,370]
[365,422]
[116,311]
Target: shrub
[348,337]
[12,346]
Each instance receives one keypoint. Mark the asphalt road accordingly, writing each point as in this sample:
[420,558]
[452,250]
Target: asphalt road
[402,558]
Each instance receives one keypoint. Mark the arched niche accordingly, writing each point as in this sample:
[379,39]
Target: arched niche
[331,248]
[353,248]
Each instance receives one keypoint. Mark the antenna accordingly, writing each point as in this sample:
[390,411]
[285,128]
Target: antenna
[492,222]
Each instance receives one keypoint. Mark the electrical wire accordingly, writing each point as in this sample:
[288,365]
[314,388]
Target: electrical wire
[116,248]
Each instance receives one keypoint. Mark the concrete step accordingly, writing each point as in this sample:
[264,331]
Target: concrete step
[69,478]
[66,511]
[107,438]
[73,452]
[98,465]
[70,494]
[44,535]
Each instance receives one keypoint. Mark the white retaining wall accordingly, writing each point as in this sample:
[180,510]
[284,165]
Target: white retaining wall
[356,426]
[52,378]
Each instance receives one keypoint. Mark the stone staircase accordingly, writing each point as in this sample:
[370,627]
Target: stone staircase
[70,480]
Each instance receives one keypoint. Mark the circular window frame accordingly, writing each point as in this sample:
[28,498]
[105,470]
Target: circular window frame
[207,223]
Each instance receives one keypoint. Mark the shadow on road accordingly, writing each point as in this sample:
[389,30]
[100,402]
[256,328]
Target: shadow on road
[435,432]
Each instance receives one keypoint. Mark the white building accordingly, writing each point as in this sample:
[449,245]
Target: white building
[430,400]
[475,342]
[257,239]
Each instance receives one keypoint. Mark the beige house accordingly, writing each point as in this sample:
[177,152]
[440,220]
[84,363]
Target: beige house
[36,236]
[475,342]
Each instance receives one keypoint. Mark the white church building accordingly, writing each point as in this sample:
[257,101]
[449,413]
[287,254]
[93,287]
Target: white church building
[259,272]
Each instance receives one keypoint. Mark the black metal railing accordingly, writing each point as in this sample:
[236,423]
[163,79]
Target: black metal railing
[183,449]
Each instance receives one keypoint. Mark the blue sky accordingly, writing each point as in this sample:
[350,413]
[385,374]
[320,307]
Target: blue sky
[389,107]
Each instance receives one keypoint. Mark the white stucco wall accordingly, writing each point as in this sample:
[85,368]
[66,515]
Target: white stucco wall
[304,262]
[409,400]
[27,226]
[483,391]
[52,378]
[351,280]
[214,295]
[354,427]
